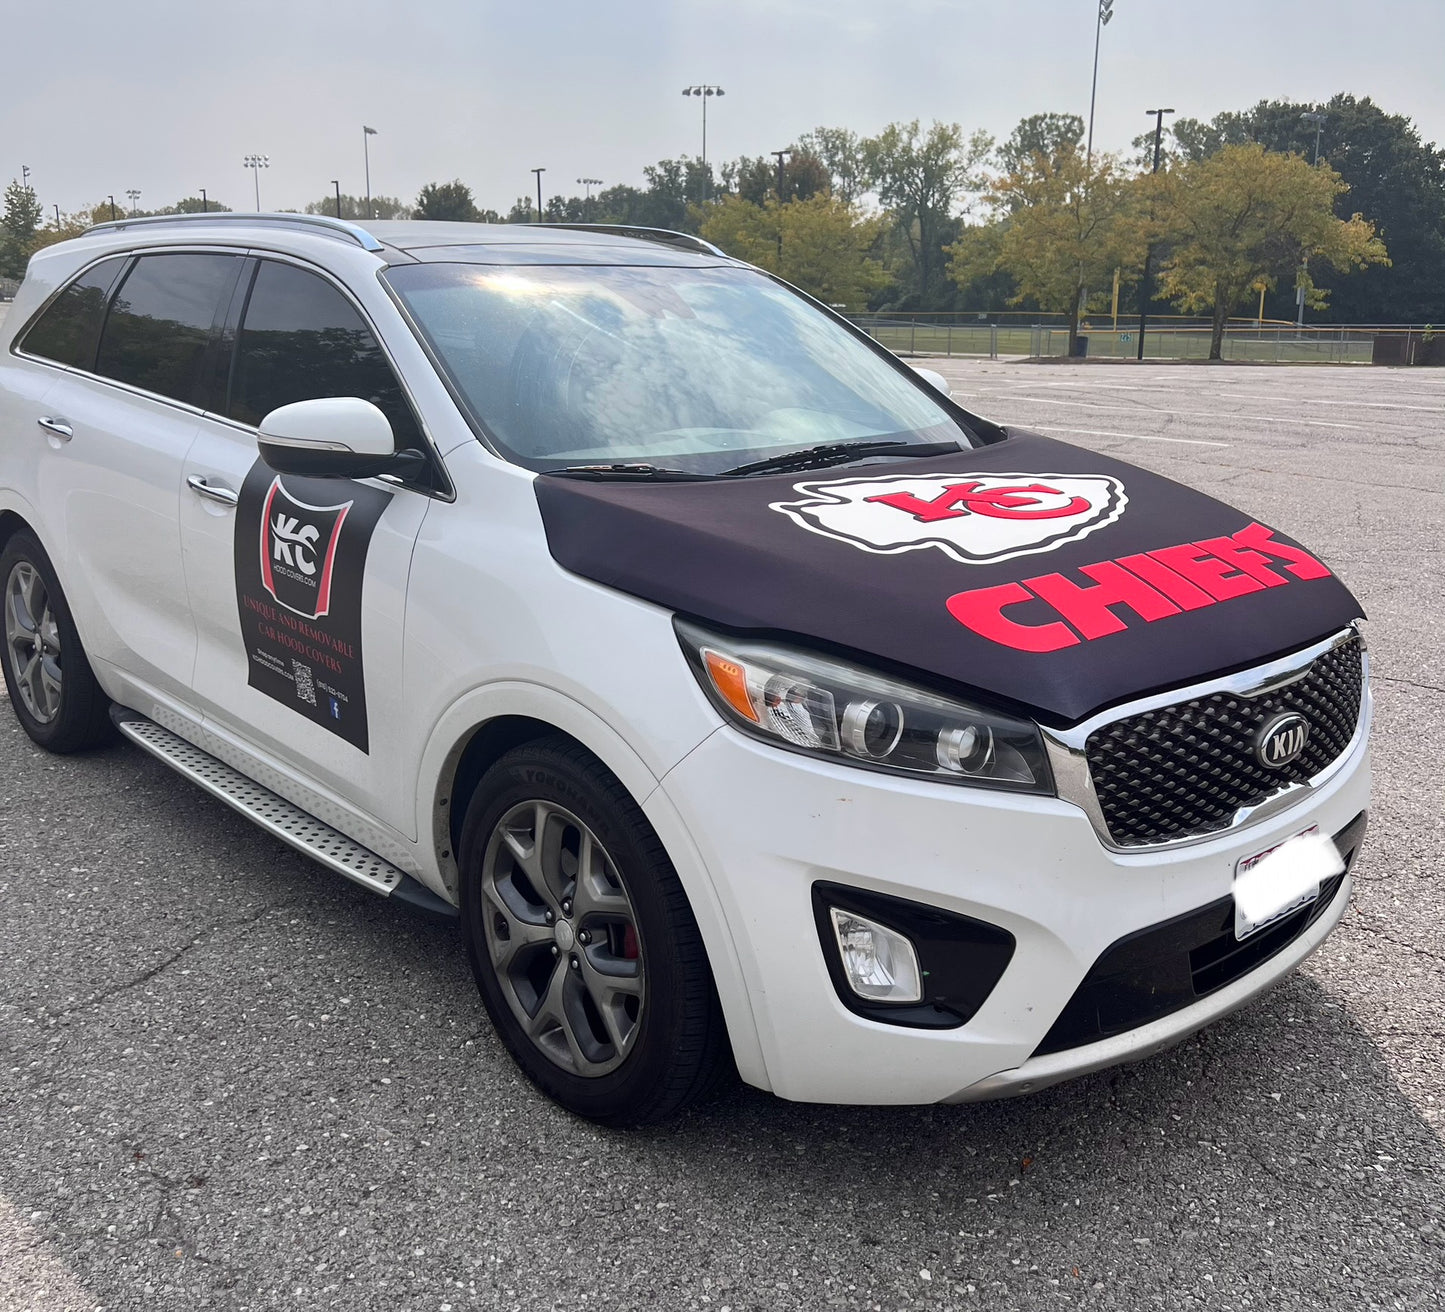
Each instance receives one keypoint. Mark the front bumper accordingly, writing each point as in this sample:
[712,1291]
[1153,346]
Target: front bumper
[765,826]
[1158,1036]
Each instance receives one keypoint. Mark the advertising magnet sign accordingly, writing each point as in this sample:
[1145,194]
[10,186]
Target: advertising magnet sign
[301,546]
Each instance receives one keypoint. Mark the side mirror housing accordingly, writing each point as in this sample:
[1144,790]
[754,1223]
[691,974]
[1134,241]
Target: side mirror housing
[334,437]
[934,379]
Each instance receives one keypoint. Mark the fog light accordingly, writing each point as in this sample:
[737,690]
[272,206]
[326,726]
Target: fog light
[880,963]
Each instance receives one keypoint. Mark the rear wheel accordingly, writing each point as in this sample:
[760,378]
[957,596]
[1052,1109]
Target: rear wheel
[583,945]
[52,689]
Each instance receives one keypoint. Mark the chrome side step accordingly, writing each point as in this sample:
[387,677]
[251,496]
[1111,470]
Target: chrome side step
[277,816]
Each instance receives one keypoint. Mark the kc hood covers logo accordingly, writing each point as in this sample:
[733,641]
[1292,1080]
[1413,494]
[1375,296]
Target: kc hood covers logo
[974,518]
[298,551]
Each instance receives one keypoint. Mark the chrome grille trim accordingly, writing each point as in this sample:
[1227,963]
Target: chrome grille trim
[1074,780]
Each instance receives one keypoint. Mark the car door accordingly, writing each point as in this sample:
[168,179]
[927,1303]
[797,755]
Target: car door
[117,427]
[298,585]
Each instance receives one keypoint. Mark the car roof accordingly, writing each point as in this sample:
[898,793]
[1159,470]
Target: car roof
[405,240]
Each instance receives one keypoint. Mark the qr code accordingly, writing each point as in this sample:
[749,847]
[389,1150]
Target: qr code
[305,685]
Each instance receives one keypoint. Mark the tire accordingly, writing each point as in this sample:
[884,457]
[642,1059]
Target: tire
[584,947]
[52,689]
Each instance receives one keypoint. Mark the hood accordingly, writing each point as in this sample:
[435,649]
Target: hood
[1033,572]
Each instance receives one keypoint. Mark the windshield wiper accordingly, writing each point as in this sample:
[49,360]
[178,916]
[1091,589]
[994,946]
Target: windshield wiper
[629,470]
[838,453]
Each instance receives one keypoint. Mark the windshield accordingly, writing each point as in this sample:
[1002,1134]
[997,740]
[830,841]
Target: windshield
[699,369]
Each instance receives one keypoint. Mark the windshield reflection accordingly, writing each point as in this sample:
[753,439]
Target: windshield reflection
[698,368]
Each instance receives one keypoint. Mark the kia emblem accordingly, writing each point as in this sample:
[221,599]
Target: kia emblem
[1281,740]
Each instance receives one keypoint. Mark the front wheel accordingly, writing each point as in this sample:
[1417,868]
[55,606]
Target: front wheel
[584,947]
[52,688]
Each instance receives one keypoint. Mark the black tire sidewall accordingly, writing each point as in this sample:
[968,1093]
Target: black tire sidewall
[75,725]
[670,944]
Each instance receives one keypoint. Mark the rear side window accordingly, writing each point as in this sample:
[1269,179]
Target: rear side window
[302,339]
[67,331]
[160,322]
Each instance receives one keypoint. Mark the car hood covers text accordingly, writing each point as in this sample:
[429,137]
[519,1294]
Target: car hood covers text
[1040,573]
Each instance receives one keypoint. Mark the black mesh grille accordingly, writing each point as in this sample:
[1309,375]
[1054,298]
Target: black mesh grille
[1186,769]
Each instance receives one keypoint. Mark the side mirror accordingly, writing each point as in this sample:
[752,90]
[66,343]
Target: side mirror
[934,379]
[334,437]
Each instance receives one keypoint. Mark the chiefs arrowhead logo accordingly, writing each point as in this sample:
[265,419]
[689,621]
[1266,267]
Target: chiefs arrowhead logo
[974,518]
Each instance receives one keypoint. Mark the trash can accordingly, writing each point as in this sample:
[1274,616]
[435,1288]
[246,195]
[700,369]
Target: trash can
[1081,347]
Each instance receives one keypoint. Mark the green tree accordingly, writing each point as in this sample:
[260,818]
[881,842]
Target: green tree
[195,205]
[447,202]
[1040,134]
[841,153]
[919,176]
[823,244]
[1245,215]
[1060,227]
[1395,179]
[18,226]
[354,207]
[756,179]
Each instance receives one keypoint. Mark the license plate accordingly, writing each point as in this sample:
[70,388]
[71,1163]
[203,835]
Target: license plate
[1280,880]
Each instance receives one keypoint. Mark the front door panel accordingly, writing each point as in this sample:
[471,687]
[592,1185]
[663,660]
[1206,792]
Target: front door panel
[299,595]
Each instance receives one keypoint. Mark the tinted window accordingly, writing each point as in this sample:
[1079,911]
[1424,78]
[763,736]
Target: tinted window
[302,339]
[160,321]
[67,331]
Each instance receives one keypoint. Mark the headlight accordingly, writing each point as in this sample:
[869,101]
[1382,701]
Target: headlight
[827,708]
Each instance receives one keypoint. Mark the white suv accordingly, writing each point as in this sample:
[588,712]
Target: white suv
[748,700]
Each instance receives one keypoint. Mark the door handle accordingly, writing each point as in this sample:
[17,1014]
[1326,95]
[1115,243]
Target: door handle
[54,424]
[212,491]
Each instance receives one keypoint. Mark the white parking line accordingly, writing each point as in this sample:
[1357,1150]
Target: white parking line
[1205,414]
[1137,437]
[1337,401]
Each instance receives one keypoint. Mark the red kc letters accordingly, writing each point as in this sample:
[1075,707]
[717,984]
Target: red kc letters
[996,503]
[1151,586]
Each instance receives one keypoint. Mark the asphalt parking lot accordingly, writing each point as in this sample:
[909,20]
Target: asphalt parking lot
[232,1080]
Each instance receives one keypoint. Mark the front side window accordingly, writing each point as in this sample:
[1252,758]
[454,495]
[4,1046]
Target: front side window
[68,330]
[159,325]
[696,368]
[301,339]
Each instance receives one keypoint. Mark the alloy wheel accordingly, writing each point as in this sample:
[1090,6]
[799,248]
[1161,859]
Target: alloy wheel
[32,638]
[562,937]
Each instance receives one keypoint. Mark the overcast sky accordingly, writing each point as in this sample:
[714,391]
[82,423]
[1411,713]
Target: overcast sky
[167,95]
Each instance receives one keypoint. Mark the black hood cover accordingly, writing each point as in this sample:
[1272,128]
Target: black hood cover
[1035,572]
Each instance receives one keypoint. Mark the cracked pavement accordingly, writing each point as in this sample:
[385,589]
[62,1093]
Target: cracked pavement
[232,1080]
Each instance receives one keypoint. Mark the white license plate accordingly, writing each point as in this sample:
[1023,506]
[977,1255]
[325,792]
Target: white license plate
[1280,880]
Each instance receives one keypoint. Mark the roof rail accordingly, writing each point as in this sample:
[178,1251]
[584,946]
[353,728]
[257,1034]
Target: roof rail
[334,227]
[663,236]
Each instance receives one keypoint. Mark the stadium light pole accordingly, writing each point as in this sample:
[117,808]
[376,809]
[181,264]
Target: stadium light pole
[538,173]
[1105,13]
[589,183]
[702,91]
[366,136]
[256,163]
[1317,119]
[134,195]
[1146,285]
[780,156]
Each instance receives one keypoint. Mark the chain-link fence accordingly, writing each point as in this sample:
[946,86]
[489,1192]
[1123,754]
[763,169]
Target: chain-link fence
[1167,338]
